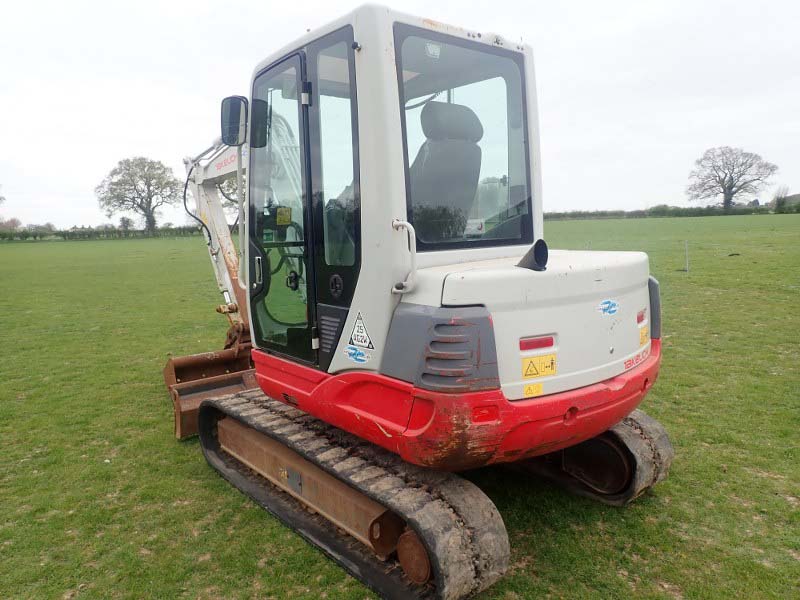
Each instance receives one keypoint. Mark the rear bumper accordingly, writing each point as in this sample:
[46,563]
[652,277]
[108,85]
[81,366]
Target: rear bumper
[457,431]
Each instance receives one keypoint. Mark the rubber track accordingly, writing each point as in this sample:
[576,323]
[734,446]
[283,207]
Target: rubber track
[461,528]
[646,441]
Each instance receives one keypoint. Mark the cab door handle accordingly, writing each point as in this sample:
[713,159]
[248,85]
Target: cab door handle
[259,272]
[403,287]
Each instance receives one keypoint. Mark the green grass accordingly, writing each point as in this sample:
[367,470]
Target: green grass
[97,499]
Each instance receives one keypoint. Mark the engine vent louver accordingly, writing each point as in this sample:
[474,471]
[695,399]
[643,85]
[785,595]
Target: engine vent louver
[328,330]
[445,349]
[330,321]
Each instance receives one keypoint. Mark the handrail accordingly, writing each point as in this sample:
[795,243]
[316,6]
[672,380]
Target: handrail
[403,287]
[241,197]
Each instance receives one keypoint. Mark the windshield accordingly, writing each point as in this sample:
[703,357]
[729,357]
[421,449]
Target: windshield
[465,138]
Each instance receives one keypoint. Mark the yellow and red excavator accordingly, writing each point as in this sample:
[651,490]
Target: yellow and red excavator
[395,314]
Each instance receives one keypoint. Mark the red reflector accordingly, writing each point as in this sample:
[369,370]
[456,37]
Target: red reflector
[640,316]
[534,343]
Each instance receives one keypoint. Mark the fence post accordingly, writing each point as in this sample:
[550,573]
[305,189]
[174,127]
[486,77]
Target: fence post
[686,248]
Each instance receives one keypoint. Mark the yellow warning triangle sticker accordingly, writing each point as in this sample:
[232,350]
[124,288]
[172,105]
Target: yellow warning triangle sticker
[531,370]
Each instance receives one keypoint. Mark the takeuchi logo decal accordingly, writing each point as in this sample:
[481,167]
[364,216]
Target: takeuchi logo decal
[225,162]
[608,307]
[356,354]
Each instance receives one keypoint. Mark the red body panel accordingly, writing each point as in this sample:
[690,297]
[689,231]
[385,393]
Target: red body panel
[456,431]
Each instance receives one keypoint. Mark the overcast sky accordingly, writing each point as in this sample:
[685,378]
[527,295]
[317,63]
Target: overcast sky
[630,93]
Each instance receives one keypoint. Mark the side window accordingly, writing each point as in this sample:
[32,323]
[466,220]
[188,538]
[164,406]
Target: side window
[338,185]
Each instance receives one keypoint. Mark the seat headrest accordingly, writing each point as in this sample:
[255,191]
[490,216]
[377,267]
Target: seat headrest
[443,121]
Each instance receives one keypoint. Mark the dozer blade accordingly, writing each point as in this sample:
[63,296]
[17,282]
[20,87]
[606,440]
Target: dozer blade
[191,379]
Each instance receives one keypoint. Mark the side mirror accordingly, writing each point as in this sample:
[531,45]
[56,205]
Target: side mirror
[234,120]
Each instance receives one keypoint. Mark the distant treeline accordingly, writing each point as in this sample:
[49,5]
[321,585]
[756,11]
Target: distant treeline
[110,232]
[663,210]
[93,233]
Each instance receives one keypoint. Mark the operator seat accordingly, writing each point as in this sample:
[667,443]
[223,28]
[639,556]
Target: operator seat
[444,175]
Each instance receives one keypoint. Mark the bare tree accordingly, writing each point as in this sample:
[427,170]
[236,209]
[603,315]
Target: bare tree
[11,224]
[141,186]
[728,172]
[2,198]
[780,194]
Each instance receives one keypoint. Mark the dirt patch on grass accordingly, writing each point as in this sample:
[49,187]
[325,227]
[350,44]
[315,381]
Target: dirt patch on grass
[670,588]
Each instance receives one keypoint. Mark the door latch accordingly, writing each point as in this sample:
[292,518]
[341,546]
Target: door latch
[259,275]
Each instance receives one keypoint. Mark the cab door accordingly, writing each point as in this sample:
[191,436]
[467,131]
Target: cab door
[336,198]
[281,281]
[305,199]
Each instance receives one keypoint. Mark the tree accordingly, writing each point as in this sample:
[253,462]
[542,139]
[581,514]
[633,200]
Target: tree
[780,194]
[125,225]
[11,224]
[40,231]
[141,186]
[728,172]
[8,229]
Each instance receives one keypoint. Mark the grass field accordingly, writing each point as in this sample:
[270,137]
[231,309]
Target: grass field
[97,500]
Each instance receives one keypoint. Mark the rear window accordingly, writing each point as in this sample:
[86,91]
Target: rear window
[462,105]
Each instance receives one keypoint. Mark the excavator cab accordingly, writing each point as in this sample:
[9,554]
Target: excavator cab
[405,320]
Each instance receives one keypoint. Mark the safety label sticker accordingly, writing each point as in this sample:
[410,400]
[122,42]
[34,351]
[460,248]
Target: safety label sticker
[359,336]
[539,366]
[644,335]
[283,215]
[532,390]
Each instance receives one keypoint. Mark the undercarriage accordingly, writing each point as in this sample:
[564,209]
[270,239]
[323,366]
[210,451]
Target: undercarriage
[405,531]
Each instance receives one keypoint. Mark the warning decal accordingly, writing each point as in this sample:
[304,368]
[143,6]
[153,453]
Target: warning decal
[532,390]
[359,336]
[644,335]
[283,215]
[539,366]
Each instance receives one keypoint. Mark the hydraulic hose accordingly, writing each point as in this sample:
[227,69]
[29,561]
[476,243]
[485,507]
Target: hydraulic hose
[190,213]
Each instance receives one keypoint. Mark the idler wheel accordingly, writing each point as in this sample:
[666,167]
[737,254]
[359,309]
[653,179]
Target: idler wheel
[600,463]
[413,557]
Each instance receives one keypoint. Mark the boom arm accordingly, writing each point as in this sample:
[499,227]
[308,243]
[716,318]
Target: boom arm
[205,173]
[191,379]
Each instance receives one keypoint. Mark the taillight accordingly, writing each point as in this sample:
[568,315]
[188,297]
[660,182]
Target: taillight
[640,316]
[535,343]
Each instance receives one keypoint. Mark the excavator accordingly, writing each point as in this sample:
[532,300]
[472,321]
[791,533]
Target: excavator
[396,317]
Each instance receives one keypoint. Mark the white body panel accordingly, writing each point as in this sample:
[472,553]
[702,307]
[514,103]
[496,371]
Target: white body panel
[563,302]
